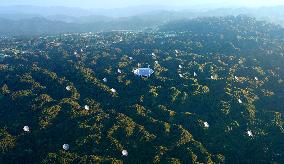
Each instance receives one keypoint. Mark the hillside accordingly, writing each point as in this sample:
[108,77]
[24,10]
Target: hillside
[39,26]
[36,21]
[216,95]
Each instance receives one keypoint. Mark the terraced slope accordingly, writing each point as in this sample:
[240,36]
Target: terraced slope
[217,96]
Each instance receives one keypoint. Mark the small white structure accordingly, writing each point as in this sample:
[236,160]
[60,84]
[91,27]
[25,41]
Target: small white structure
[130,58]
[206,125]
[119,71]
[68,88]
[194,74]
[75,53]
[87,107]
[124,153]
[180,75]
[180,66]
[256,78]
[214,77]
[26,128]
[153,54]
[144,72]
[240,101]
[249,133]
[105,80]
[156,62]
[65,147]
[113,90]
[176,51]
[237,78]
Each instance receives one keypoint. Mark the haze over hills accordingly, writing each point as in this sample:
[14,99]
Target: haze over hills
[35,20]
[78,12]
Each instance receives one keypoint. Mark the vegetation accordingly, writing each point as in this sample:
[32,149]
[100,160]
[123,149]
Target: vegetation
[231,84]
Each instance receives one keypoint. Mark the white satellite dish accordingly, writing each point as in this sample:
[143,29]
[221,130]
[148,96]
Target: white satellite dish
[26,129]
[124,153]
[249,133]
[68,88]
[65,147]
[113,90]
[206,125]
[87,107]
[240,101]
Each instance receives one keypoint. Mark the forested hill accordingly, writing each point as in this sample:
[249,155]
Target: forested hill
[216,95]
[231,25]
[240,35]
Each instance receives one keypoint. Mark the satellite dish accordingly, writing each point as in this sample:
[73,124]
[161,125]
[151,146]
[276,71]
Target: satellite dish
[237,78]
[240,101]
[68,88]
[87,107]
[113,90]
[26,129]
[249,133]
[65,147]
[124,153]
[206,125]
[144,72]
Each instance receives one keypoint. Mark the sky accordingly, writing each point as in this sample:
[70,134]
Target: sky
[87,4]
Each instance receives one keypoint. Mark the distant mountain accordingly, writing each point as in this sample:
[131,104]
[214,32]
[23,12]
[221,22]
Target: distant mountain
[236,25]
[34,26]
[44,11]
[32,20]
[80,20]
[78,12]
[43,26]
